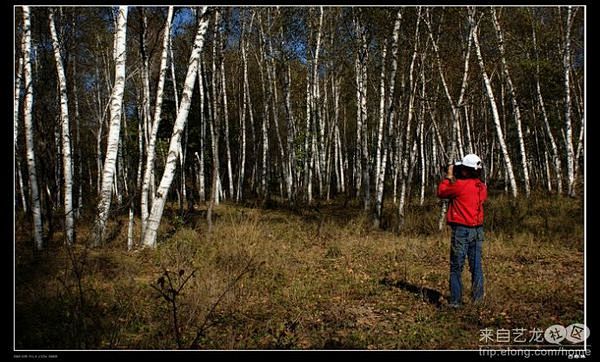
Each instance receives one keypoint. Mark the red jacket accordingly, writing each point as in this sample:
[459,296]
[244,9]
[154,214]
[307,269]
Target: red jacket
[466,201]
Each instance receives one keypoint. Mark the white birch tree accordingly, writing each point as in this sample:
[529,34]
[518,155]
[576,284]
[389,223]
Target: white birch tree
[390,116]
[65,134]
[490,93]
[513,98]
[555,152]
[155,122]
[566,57]
[29,131]
[120,53]
[160,198]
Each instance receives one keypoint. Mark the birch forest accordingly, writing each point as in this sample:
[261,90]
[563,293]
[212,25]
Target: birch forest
[285,161]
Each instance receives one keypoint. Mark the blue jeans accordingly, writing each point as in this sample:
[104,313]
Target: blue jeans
[466,242]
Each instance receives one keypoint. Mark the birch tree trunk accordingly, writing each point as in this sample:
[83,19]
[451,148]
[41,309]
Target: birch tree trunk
[200,158]
[247,107]
[408,139]
[492,100]
[421,131]
[66,134]
[307,141]
[77,210]
[380,125]
[553,145]
[115,127]
[272,86]
[226,120]
[155,121]
[214,120]
[291,134]
[390,114]
[567,105]
[579,151]
[318,121]
[158,203]
[513,98]
[362,148]
[18,77]
[27,114]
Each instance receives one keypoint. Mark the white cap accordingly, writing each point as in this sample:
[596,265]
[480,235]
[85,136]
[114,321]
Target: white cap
[470,160]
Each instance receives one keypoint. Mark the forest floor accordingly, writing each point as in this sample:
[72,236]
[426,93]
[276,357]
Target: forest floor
[319,278]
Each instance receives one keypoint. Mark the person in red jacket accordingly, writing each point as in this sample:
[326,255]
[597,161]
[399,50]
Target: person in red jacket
[466,193]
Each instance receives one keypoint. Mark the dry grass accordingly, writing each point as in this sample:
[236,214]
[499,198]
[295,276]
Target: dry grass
[316,279]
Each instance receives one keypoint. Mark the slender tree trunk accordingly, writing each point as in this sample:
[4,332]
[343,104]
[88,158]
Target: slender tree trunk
[155,121]
[555,152]
[66,134]
[247,106]
[362,149]
[182,114]
[318,121]
[18,77]
[490,93]
[226,120]
[27,113]
[408,139]
[513,98]
[307,138]
[390,113]
[272,86]
[380,125]
[130,229]
[567,105]
[115,127]
[79,207]
[290,138]
[200,158]
[579,151]
[338,139]
[421,131]
[214,123]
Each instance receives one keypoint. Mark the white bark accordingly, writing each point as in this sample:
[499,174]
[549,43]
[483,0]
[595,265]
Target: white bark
[130,229]
[115,126]
[380,174]
[307,137]
[226,120]
[200,158]
[247,107]
[27,114]
[214,122]
[421,131]
[338,139]
[182,114]
[553,145]
[492,100]
[579,151]
[290,137]
[18,77]
[380,125]
[362,149]
[77,211]
[272,86]
[408,138]
[319,122]
[155,121]
[567,105]
[515,104]
[66,134]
